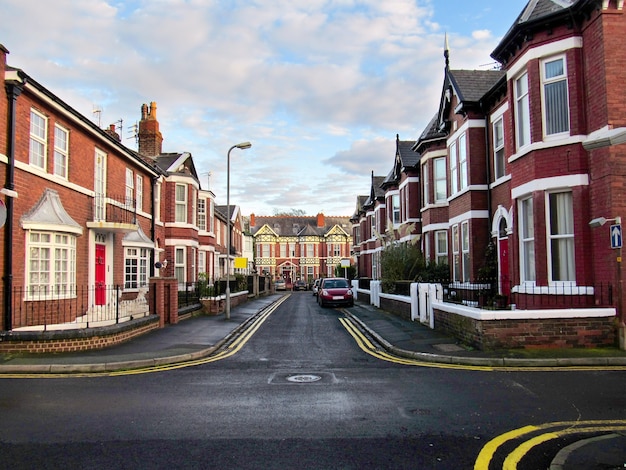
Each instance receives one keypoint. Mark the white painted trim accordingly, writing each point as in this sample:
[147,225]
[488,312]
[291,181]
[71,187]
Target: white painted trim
[555,182]
[545,50]
[499,112]
[470,123]
[468,216]
[435,227]
[484,315]
[433,154]
[547,144]
[182,242]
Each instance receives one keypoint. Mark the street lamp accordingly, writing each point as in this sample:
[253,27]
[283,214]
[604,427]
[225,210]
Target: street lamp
[621,330]
[242,146]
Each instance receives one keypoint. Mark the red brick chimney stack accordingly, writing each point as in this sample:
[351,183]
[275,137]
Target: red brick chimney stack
[252,220]
[150,138]
[320,220]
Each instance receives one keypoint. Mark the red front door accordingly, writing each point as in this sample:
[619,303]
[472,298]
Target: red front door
[100,291]
[505,279]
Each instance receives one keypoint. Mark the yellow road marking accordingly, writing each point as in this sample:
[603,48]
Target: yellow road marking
[228,351]
[571,427]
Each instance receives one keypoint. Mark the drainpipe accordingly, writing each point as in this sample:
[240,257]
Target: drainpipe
[14,89]
[153,224]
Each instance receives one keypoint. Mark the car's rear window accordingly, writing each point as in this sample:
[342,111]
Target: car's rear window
[339,283]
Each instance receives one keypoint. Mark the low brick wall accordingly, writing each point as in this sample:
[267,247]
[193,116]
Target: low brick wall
[86,339]
[528,333]
[217,305]
[398,307]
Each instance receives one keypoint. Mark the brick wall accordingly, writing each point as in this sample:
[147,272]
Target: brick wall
[528,333]
[70,341]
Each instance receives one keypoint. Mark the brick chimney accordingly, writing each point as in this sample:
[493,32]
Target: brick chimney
[320,220]
[252,220]
[150,138]
[113,133]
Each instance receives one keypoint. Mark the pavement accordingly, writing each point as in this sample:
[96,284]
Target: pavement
[199,336]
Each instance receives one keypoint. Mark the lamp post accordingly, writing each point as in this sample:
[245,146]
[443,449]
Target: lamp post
[243,146]
[621,328]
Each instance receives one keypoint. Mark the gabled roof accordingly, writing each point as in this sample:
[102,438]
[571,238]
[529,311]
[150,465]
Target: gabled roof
[299,226]
[542,14]
[177,164]
[360,202]
[221,210]
[405,159]
[376,190]
[471,85]
[431,132]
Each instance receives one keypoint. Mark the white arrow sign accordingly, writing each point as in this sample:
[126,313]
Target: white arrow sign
[616,236]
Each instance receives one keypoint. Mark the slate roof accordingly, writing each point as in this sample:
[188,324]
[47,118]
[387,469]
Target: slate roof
[408,157]
[537,12]
[430,132]
[472,85]
[298,226]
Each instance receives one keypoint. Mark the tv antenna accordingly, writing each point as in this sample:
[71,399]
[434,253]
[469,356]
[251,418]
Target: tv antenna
[97,111]
[134,132]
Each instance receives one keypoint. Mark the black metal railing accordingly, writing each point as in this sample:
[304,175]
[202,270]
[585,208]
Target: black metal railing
[114,208]
[76,306]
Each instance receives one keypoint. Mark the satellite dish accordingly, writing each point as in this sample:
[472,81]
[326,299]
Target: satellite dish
[3,213]
[158,265]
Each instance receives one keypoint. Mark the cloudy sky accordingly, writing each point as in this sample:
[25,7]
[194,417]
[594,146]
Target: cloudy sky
[319,87]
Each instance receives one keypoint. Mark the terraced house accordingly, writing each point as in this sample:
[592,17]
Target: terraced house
[518,160]
[300,247]
[89,221]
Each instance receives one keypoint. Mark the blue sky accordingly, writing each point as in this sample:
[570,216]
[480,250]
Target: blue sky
[320,87]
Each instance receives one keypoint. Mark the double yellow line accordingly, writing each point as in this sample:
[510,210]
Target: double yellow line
[367,346]
[541,433]
[240,339]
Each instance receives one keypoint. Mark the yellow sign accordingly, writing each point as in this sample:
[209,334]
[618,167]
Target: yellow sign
[241,263]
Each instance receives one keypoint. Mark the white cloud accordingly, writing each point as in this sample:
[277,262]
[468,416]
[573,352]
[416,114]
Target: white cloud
[320,87]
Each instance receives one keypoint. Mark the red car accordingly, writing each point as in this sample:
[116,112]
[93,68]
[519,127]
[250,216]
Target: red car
[335,291]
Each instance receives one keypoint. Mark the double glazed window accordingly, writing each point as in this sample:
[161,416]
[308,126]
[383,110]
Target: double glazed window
[395,202]
[527,240]
[555,96]
[561,235]
[38,139]
[498,148]
[440,180]
[136,268]
[51,265]
[181,203]
[522,111]
[441,246]
[61,150]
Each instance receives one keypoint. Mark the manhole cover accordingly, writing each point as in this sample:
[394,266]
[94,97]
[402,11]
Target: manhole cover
[304,378]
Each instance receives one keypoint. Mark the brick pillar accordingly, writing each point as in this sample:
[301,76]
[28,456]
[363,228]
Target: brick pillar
[164,299]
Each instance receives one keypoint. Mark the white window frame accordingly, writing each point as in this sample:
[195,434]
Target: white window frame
[135,267]
[395,204]
[38,146]
[283,250]
[463,174]
[130,187]
[201,214]
[441,257]
[425,184]
[181,203]
[560,233]
[61,150]
[548,111]
[456,257]
[528,271]
[454,177]
[465,249]
[139,192]
[498,148]
[50,265]
[202,262]
[180,264]
[522,111]
[440,176]
[211,216]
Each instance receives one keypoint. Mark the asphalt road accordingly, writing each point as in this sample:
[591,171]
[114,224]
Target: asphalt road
[300,393]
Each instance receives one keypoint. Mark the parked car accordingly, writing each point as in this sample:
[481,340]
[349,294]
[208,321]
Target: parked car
[280,284]
[335,291]
[315,286]
[300,284]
